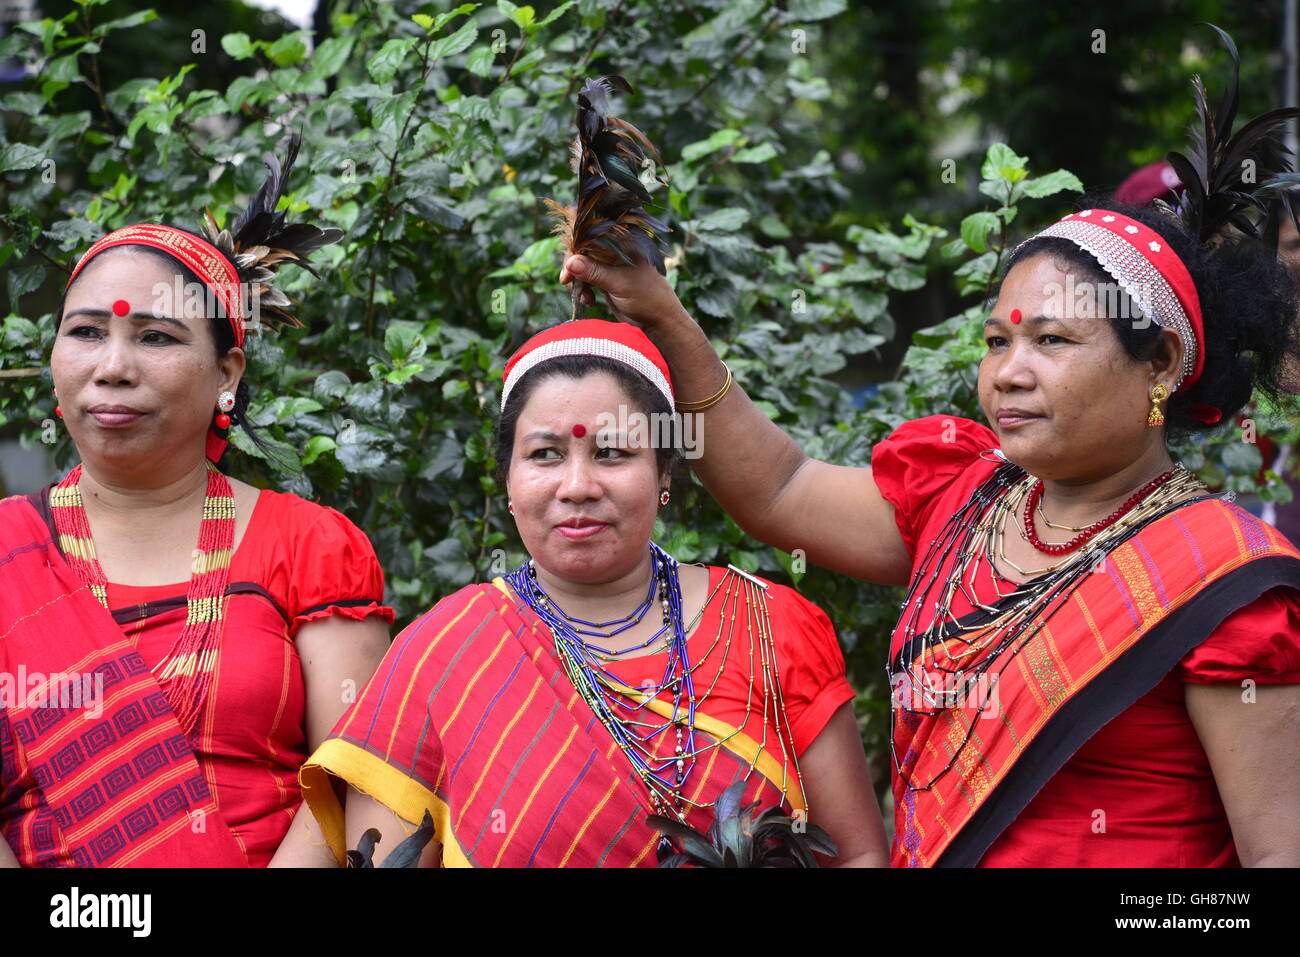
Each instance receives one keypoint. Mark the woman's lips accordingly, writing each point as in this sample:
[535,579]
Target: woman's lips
[115,418]
[580,534]
[1014,418]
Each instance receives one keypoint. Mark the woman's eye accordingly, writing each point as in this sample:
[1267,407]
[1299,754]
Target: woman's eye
[994,341]
[610,452]
[543,453]
[154,337]
[83,332]
[1049,340]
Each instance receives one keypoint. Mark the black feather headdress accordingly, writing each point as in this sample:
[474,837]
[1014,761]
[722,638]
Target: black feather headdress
[609,222]
[1230,178]
[260,241]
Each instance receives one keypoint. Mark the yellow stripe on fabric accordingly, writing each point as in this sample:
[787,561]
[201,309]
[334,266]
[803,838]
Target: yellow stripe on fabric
[419,667]
[501,740]
[523,811]
[371,775]
[582,831]
[469,685]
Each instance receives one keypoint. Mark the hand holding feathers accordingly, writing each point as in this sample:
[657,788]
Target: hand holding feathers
[609,222]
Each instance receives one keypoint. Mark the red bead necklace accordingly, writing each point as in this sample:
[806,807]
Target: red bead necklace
[1036,495]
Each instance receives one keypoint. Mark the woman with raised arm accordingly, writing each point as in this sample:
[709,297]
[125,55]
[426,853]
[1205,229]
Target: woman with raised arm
[1097,663]
[542,717]
[170,692]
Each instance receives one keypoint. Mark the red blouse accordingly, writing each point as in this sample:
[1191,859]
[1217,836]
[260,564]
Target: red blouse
[1146,769]
[297,562]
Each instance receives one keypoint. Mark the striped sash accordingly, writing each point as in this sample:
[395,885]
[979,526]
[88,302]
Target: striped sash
[1160,594]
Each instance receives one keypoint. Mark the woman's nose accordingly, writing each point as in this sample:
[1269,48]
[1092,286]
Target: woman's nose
[116,359]
[1011,369]
[579,481]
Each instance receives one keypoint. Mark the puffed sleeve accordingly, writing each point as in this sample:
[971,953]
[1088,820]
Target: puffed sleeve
[812,678]
[919,460]
[1260,641]
[336,572]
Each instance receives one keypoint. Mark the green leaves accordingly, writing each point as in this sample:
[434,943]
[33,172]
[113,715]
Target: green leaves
[237,45]
[694,152]
[975,230]
[383,66]
[19,156]
[1052,183]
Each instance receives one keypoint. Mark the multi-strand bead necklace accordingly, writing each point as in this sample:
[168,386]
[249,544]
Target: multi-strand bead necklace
[583,652]
[185,672]
[938,665]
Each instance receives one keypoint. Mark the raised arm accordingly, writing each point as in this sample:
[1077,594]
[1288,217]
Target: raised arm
[758,474]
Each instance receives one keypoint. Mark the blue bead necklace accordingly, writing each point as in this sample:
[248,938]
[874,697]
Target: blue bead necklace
[665,777]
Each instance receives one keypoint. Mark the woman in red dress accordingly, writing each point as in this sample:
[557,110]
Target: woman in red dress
[161,697]
[1098,663]
[537,720]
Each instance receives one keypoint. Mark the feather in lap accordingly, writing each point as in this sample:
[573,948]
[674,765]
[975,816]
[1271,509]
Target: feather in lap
[259,241]
[608,223]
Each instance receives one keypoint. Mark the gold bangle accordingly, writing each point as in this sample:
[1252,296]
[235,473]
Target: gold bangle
[712,400]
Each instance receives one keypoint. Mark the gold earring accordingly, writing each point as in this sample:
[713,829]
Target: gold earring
[1155,417]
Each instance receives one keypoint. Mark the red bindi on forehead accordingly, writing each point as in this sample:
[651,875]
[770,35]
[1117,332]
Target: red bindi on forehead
[579,430]
[121,307]
[1015,317]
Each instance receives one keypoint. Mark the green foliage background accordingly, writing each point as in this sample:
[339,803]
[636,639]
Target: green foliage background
[431,133]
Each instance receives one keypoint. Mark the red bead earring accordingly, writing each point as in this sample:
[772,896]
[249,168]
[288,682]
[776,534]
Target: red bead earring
[58,409]
[225,402]
[510,506]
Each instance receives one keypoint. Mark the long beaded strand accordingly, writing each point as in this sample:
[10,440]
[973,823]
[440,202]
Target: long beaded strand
[975,531]
[185,672]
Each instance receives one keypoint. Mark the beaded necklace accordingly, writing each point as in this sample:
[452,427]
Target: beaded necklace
[185,672]
[628,719]
[940,664]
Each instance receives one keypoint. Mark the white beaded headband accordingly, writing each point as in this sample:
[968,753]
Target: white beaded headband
[588,346]
[1141,281]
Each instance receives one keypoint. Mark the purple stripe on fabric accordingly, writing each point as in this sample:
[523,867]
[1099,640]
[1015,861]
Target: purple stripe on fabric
[483,718]
[1121,587]
[24,549]
[636,813]
[487,818]
[395,660]
[1152,570]
[560,806]
[1252,530]
[1191,544]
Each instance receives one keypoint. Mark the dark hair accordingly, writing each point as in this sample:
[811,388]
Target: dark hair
[1248,309]
[645,398]
[223,336]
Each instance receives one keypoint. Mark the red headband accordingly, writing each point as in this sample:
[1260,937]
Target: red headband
[1149,271]
[205,260]
[591,337]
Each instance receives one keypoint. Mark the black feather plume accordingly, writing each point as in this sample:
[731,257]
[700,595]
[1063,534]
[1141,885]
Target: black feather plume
[259,241]
[1228,176]
[608,222]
